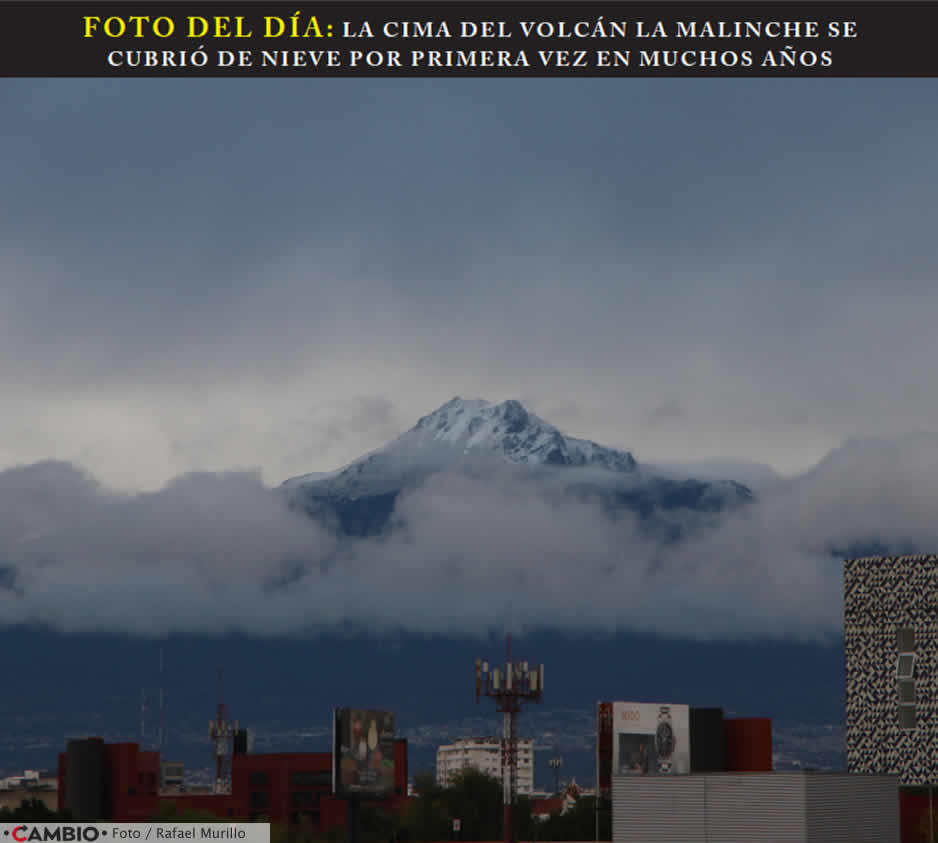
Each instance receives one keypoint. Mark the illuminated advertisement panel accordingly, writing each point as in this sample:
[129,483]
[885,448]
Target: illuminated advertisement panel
[363,752]
[650,739]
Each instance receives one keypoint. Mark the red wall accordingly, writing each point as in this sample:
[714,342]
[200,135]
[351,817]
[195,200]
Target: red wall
[204,803]
[281,786]
[747,744]
[135,782]
[913,815]
[261,785]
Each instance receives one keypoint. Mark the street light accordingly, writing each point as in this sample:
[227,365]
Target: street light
[509,688]
[555,764]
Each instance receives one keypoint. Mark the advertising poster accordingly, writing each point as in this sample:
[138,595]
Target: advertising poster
[650,739]
[364,752]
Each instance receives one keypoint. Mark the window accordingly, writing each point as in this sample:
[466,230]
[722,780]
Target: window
[905,667]
[905,673]
[907,717]
[258,800]
[258,779]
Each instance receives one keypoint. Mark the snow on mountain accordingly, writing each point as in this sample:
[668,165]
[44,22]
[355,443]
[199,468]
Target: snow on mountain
[458,430]
[509,431]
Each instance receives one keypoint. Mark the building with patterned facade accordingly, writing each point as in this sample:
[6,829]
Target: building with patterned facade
[891,655]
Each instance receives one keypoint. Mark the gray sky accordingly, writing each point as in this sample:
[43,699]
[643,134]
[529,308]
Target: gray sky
[283,274]
[277,276]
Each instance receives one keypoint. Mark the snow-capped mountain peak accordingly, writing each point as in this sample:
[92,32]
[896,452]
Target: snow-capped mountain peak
[509,431]
[463,428]
[505,443]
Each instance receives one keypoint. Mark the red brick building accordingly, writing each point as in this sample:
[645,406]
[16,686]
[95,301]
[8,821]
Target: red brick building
[120,783]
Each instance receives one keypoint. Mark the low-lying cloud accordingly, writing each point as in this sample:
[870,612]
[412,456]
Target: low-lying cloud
[471,551]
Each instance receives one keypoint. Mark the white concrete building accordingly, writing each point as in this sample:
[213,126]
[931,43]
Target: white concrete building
[485,754]
[30,778]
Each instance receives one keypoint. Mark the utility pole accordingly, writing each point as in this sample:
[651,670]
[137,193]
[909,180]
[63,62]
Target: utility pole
[162,735]
[555,764]
[516,685]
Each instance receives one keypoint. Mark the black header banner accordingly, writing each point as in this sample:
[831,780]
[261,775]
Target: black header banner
[466,39]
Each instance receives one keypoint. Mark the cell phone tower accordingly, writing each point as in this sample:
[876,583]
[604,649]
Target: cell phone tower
[516,685]
[222,733]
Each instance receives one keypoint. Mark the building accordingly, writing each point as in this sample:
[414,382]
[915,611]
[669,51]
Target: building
[669,739]
[33,784]
[891,660]
[35,779]
[99,781]
[891,651]
[172,775]
[485,755]
[744,807]
[118,782]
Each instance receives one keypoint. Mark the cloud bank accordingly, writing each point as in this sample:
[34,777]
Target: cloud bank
[217,552]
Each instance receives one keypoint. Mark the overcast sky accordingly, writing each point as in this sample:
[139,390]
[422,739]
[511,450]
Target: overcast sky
[281,275]
[278,276]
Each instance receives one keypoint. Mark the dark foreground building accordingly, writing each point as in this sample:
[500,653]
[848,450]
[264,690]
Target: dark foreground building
[118,782]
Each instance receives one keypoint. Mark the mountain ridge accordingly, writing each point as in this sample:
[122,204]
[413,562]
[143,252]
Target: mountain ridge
[468,435]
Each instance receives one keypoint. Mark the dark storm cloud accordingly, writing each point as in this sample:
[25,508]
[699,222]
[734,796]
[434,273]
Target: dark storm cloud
[188,266]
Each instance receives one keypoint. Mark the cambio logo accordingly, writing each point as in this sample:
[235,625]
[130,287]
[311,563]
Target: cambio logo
[58,832]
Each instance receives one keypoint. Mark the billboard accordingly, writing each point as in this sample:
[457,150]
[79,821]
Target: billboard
[648,739]
[363,752]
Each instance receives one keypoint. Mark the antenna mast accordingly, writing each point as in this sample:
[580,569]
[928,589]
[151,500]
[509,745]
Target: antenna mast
[222,734]
[510,689]
[162,733]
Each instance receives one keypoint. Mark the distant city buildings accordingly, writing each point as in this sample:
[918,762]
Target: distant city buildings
[172,775]
[36,779]
[33,784]
[485,755]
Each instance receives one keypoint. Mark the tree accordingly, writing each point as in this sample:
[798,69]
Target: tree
[473,798]
[33,810]
[579,823]
[527,825]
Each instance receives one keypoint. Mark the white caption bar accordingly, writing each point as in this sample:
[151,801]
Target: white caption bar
[30,832]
